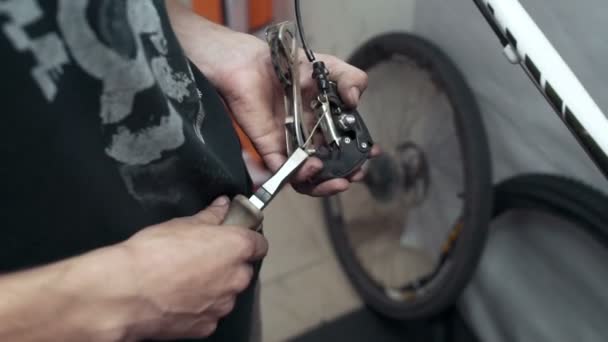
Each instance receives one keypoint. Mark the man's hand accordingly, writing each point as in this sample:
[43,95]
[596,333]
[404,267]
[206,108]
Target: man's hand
[170,281]
[255,97]
[239,65]
[189,271]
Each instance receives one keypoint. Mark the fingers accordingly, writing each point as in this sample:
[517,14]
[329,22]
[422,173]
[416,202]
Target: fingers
[328,188]
[242,279]
[376,151]
[274,161]
[199,327]
[357,176]
[313,165]
[310,168]
[352,81]
[257,248]
[206,325]
[204,329]
[331,187]
[247,244]
[214,214]
[222,307]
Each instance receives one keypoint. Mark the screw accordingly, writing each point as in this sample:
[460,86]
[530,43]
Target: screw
[347,140]
[363,145]
[345,121]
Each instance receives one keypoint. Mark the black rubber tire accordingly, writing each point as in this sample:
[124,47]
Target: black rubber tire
[557,195]
[477,182]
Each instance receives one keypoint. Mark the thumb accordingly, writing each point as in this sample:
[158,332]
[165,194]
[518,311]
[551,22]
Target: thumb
[351,80]
[214,214]
[274,160]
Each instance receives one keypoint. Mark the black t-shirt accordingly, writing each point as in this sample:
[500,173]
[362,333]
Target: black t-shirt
[106,129]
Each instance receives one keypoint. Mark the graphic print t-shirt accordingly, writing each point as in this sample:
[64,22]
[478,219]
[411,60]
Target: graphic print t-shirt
[106,129]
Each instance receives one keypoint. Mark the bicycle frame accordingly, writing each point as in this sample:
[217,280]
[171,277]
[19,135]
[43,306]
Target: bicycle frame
[525,44]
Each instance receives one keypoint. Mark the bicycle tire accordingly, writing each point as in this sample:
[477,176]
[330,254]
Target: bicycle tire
[558,195]
[477,195]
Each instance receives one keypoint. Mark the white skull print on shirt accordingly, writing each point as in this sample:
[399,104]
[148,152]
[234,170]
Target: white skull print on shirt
[145,83]
[135,60]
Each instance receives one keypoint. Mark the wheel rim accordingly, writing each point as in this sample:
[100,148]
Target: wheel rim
[399,219]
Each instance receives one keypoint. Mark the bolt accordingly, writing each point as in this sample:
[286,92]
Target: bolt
[346,121]
[350,119]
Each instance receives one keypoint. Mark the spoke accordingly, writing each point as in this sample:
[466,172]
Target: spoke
[423,108]
[448,159]
[450,204]
[410,105]
[436,118]
[436,143]
[444,133]
[404,104]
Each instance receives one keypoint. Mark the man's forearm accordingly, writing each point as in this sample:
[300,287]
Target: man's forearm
[78,299]
[192,30]
[203,41]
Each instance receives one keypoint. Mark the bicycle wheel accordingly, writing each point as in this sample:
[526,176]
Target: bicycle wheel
[558,195]
[409,236]
[557,268]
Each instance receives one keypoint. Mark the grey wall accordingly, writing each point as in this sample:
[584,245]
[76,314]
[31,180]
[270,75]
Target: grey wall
[525,134]
[540,278]
[338,26]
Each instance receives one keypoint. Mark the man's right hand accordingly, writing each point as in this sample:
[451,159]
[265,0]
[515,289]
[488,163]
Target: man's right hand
[188,271]
[169,281]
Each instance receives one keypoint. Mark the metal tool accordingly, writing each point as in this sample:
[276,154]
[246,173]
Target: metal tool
[347,142]
[248,211]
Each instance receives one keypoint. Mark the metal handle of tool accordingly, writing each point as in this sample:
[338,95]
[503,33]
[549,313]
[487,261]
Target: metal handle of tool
[243,213]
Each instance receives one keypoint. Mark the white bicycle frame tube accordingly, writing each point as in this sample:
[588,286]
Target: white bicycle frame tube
[525,44]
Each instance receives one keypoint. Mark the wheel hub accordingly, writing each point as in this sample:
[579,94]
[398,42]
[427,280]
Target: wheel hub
[405,170]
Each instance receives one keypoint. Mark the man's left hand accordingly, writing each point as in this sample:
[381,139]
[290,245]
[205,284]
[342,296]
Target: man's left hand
[240,67]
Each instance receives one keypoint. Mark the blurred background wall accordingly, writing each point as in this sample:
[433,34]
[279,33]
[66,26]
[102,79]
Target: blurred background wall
[524,132]
[540,279]
[338,26]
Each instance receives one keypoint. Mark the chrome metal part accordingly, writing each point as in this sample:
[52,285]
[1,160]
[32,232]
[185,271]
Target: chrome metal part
[323,110]
[285,58]
[346,121]
[271,187]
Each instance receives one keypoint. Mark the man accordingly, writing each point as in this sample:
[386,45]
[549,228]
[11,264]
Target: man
[118,162]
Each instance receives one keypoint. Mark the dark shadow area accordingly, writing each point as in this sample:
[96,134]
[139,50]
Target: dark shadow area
[365,325]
